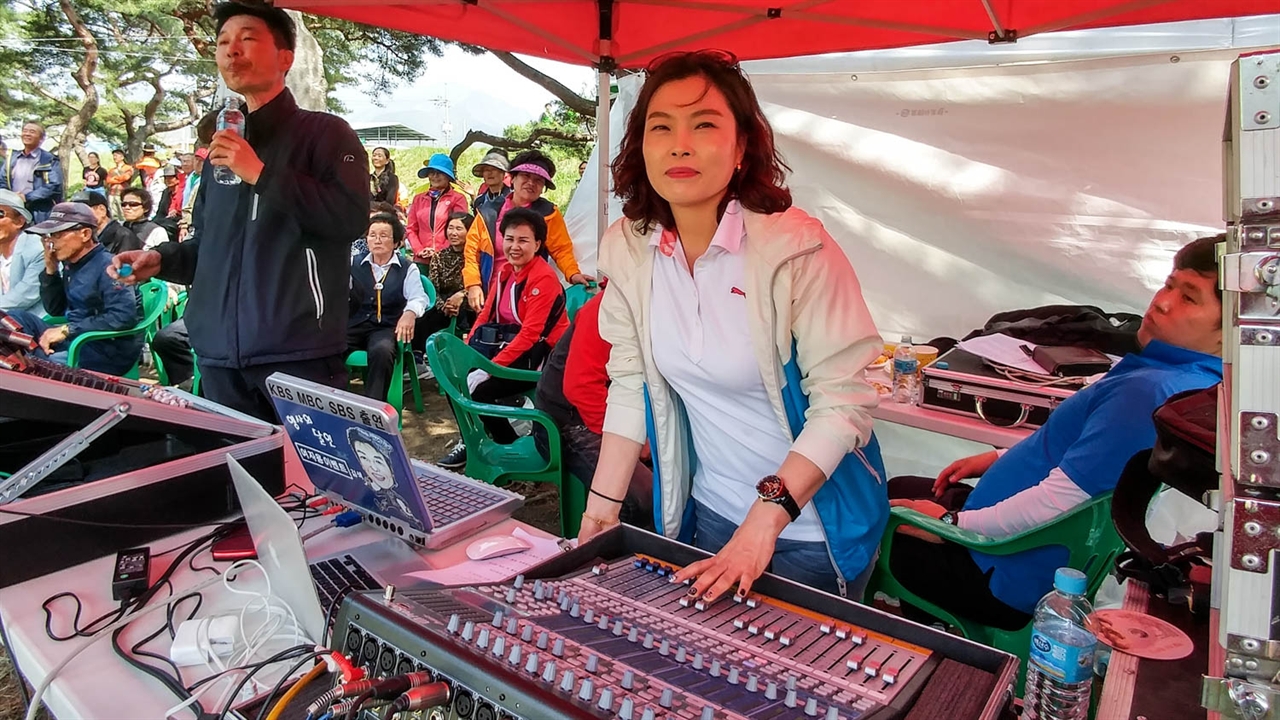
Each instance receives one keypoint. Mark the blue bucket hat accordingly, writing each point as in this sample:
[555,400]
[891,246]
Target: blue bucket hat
[440,162]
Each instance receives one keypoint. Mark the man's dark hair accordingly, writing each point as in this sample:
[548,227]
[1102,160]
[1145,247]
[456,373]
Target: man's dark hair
[382,206]
[278,22]
[91,199]
[524,217]
[397,228]
[142,195]
[1201,256]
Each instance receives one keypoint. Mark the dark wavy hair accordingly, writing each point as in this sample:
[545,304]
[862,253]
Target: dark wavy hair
[759,184]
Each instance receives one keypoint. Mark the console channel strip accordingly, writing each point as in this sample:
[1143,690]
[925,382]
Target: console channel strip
[620,640]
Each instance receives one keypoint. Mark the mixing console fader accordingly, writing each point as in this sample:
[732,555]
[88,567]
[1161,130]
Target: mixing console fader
[619,639]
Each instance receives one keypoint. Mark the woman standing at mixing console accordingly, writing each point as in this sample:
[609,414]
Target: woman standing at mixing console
[743,323]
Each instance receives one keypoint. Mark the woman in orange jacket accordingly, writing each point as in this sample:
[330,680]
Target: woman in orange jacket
[531,174]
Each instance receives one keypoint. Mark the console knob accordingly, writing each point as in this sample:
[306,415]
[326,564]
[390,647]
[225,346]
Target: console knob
[606,699]
[527,634]
[628,679]
[549,671]
[469,631]
[587,690]
[593,663]
[771,690]
[483,640]
[628,709]
[753,683]
[531,665]
[557,648]
[567,681]
[708,713]
[497,619]
[811,707]
[518,582]
[715,668]
[648,641]
[790,700]
[648,714]
[733,676]
[499,646]
[452,627]
[833,712]
[543,639]
[667,698]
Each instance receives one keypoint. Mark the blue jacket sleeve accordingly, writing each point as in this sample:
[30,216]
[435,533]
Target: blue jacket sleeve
[52,187]
[330,198]
[24,288]
[119,309]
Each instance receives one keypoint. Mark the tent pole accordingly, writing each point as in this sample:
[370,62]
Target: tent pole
[602,156]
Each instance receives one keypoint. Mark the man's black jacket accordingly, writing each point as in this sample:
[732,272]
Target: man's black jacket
[269,265]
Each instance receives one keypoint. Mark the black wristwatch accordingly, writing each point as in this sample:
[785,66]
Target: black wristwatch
[948,517]
[772,489]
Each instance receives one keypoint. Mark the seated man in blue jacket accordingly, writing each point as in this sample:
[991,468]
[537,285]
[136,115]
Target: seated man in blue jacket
[1079,453]
[82,292]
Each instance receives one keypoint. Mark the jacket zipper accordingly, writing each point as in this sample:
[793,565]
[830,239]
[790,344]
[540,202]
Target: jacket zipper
[313,279]
[841,584]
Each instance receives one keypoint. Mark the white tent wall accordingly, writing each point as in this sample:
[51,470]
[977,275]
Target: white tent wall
[960,193]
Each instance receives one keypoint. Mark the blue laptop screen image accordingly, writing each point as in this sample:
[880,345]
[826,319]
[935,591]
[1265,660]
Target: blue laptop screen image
[366,466]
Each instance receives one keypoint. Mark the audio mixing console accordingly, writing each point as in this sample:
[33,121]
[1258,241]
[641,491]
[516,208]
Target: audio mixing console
[616,638]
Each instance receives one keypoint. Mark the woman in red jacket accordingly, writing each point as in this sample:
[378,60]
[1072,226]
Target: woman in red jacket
[430,211]
[522,319]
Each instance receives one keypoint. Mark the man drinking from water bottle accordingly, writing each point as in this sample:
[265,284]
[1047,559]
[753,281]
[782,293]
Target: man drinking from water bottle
[268,263]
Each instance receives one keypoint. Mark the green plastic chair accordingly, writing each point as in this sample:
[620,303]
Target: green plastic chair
[575,296]
[452,360]
[1087,532]
[154,294]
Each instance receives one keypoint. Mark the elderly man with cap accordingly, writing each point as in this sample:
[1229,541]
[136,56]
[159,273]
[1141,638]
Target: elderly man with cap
[430,211]
[531,173]
[82,293]
[21,257]
[489,200]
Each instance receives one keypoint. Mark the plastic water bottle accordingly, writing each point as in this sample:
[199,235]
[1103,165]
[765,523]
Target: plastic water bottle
[231,117]
[906,383]
[1060,667]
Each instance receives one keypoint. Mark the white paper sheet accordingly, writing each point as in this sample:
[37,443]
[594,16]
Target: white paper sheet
[1005,350]
[470,572]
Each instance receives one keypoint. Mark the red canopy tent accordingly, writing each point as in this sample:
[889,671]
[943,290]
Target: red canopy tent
[610,34]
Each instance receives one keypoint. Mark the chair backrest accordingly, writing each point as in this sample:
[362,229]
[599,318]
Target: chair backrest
[431,291]
[451,360]
[155,295]
[1096,553]
[575,296]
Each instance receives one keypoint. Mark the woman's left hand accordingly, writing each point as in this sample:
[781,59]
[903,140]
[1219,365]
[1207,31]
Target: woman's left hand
[581,279]
[742,559]
[404,328]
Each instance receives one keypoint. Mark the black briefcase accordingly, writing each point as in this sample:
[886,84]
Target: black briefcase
[962,383]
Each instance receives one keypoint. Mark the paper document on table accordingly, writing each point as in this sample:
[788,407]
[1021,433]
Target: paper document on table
[1004,350]
[470,572]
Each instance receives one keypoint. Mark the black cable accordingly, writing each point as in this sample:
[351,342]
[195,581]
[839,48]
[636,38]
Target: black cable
[333,610]
[231,701]
[165,678]
[288,654]
[125,526]
[262,712]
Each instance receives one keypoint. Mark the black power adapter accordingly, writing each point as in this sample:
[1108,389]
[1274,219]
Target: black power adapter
[132,575]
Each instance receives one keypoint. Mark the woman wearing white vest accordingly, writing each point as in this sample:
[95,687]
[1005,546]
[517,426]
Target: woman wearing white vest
[739,338]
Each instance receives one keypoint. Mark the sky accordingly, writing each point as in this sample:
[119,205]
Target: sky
[483,93]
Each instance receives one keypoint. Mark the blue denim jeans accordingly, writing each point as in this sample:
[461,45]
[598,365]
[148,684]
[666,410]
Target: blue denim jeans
[807,563]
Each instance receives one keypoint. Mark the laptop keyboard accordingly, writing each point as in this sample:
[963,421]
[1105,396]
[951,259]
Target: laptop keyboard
[449,501]
[335,575]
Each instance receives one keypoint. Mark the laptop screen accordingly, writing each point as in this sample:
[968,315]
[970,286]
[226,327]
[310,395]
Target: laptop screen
[361,460]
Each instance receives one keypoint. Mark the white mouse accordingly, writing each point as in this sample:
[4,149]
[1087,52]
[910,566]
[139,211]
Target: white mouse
[495,546]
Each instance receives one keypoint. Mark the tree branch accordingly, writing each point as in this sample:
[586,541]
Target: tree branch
[534,140]
[576,102]
[76,130]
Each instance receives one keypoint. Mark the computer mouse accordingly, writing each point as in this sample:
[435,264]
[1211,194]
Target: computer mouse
[495,546]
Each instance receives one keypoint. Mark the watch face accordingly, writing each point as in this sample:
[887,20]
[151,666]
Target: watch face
[770,488]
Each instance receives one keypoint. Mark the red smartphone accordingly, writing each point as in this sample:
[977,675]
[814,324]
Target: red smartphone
[236,546]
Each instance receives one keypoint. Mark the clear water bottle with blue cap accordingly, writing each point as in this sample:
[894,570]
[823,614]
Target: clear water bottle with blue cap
[1060,667]
[230,117]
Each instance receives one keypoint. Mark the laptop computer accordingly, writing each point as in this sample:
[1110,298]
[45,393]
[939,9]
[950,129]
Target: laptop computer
[351,448]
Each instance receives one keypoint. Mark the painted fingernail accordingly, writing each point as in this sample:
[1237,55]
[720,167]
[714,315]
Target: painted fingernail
[693,592]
